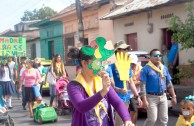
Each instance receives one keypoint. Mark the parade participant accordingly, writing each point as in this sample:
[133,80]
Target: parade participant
[14,73]
[11,65]
[29,77]
[122,47]
[21,68]
[92,95]
[155,82]
[6,82]
[187,109]
[40,68]
[133,105]
[58,71]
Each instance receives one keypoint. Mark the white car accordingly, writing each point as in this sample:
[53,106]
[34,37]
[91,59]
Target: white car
[143,57]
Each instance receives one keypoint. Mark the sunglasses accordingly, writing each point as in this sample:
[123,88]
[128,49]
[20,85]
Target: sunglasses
[119,49]
[157,55]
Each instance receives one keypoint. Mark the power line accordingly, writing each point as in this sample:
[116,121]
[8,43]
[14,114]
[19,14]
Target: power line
[10,24]
[16,10]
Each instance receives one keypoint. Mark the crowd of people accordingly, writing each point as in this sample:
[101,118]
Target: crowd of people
[147,88]
[100,98]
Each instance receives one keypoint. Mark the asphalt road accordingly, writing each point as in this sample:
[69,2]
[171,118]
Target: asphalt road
[22,117]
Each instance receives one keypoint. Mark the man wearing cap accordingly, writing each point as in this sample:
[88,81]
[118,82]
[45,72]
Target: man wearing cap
[121,46]
[133,105]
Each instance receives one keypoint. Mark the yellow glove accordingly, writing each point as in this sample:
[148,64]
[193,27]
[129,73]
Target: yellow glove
[123,65]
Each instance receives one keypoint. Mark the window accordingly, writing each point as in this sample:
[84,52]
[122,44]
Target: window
[33,51]
[69,43]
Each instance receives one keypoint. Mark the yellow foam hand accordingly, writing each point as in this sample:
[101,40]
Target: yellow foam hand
[123,65]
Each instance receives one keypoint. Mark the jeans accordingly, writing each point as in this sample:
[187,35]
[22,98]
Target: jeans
[52,93]
[23,96]
[158,108]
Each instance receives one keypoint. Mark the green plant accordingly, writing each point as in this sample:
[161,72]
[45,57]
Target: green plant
[183,33]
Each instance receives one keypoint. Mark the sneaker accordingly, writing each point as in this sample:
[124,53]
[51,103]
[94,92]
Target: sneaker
[10,107]
[24,108]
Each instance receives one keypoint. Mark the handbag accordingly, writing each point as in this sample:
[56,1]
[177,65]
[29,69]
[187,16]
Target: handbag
[50,79]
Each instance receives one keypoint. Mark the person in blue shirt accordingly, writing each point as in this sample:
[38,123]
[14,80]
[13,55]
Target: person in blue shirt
[155,82]
[173,58]
[121,46]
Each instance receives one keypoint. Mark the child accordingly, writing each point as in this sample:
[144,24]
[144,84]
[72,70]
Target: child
[38,103]
[64,96]
[187,108]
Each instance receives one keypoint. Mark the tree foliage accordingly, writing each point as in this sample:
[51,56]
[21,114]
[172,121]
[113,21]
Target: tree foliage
[42,13]
[183,31]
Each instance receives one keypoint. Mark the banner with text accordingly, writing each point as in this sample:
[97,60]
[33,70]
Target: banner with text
[12,46]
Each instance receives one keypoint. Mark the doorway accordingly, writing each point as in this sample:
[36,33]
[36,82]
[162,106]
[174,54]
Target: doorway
[51,49]
[167,37]
[132,40]
[173,70]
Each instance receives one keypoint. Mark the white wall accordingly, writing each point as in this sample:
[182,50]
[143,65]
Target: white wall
[145,40]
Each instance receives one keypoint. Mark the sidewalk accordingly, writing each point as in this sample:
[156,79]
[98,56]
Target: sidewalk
[181,92]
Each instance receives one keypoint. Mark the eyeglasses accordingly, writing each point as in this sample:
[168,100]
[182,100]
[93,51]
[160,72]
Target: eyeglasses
[157,55]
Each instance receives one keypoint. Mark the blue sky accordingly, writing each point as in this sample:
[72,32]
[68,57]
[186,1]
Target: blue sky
[12,10]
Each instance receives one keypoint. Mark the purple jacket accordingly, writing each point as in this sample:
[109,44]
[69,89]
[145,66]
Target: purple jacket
[82,103]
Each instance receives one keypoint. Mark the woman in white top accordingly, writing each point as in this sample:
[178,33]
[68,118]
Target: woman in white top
[6,82]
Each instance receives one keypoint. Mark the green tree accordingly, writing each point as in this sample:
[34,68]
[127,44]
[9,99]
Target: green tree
[42,13]
[183,33]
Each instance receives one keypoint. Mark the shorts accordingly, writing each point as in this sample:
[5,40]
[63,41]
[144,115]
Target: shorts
[134,105]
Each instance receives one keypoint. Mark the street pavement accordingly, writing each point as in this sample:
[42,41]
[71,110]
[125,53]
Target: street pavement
[22,117]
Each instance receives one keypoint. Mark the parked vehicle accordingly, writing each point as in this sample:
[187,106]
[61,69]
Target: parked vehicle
[46,64]
[143,57]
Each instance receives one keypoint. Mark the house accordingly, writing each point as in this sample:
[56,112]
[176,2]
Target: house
[144,24]
[59,33]
[22,29]
[51,38]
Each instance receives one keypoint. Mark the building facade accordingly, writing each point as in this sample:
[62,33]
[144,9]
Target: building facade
[144,25]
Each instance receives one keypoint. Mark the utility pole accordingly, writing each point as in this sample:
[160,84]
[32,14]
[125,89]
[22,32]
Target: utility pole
[80,21]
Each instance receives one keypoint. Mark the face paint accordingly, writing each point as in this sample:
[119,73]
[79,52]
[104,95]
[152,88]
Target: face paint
[186,113]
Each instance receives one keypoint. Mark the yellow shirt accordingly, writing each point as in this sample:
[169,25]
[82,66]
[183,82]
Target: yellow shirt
[182,122]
